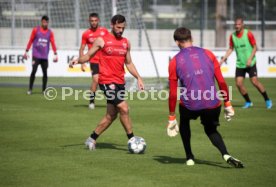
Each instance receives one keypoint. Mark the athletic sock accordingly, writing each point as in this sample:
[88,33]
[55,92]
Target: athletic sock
[217,141]
[265,96]
[92,97]
[246,97]
[94,135]
[130,135]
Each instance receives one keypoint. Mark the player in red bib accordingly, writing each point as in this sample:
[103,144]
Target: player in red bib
[115,53]
[88,38]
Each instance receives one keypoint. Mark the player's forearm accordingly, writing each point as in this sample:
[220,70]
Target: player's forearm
[29,44]
[132,70]
[81,50]
[31,40]
[227,54]
[172,96]
[253,53]
[222,84]
[84,58]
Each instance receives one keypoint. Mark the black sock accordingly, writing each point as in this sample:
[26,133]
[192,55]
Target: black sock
[246,97]
[94,135]
[265,96]
[185,133]
[130,135]
[92,97]
[216,140]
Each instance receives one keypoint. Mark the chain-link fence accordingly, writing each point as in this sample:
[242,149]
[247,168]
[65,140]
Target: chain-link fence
[211,21]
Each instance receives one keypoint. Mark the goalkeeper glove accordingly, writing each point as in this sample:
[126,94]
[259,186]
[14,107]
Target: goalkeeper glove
[228,111]
[26,55]
[172,127]
[55,59]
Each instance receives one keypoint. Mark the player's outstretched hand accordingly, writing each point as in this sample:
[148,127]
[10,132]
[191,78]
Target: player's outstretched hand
[73,62]
[172,127]
[55,59]
[222,60]
[228,111]
[140,84]
[26,55]
[83,66]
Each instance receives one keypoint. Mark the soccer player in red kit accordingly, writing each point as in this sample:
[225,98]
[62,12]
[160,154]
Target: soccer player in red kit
[41,38]
[88,38]
[115,53]
[196,69]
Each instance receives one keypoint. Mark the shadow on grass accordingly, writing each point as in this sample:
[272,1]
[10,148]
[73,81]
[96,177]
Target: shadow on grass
[86,106]
[99,146]
[111,146]
[171,160]
[254,106]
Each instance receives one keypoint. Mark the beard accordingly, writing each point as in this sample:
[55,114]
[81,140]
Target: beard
[118,34]
[94,26]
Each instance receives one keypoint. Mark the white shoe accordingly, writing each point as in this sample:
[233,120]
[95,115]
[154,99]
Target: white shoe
[91,106]
[29,92]
[190,162]
[90,143]
[233,161]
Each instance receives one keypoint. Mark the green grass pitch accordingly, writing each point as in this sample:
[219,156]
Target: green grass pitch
[41,143]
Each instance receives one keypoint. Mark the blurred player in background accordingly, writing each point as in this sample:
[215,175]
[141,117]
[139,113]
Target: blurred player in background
[115,53]
[197,69]
[244,43]
[88,38]
[40,38]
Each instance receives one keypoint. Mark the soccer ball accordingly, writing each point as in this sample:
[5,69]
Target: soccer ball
[136,145]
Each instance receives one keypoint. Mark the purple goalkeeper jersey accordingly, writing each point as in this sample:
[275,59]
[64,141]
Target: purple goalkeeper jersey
[195,71]
[41,44]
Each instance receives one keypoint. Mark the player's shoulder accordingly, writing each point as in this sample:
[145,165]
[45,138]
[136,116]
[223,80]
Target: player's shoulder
[87,31]
[102,29]
[209,53]
[249,32]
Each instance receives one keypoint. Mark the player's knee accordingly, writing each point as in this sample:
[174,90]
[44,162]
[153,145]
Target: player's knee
[255,82]
[210,130]
[239,84]
[111,117]
[124,110]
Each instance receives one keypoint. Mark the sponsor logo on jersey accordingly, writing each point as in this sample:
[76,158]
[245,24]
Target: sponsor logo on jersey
[109,50]
[91,40]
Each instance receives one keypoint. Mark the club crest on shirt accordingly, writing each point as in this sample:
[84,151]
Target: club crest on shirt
[102,33]
[112,86]
[109,50]
[124,45]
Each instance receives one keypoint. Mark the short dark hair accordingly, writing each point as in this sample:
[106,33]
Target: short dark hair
[94,15]
[182,34]
[118,19]
[45,17]
[239,18]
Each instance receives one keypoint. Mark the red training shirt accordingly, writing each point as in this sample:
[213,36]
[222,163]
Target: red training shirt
[112,60]
[88,38]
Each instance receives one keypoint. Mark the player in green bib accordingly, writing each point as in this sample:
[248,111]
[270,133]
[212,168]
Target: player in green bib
[244,43]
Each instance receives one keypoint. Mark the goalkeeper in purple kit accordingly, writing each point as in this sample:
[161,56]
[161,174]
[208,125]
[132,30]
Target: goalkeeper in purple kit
[196,69]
